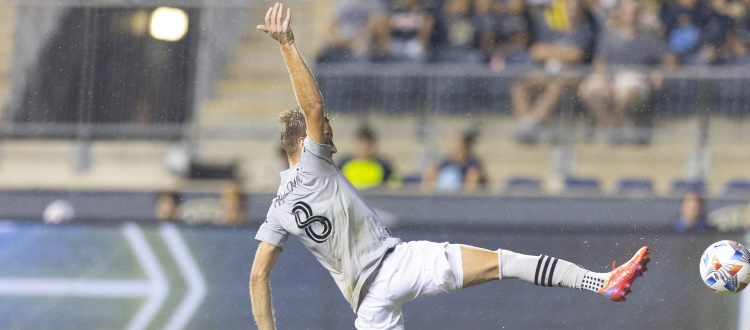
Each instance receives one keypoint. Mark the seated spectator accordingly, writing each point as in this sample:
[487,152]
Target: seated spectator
[506,33]
[404,33]
[692,216]
[232,205]
[699,34]
[364,168]
[350,32]
[740,41]
[460,170]
[458,33]
[228,209]
[620,84]
[563,36]
[166,206]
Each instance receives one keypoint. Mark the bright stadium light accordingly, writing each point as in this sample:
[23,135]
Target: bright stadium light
[169,24]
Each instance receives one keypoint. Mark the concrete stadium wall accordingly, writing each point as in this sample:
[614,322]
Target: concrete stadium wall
[81,276]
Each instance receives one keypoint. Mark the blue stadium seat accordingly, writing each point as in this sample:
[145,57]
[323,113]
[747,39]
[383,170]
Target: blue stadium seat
[683,186]
[523,186]
[635,187]
[581,186]
[737,188]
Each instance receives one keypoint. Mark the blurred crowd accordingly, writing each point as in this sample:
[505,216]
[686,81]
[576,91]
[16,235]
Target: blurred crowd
[625,45]
[500,32]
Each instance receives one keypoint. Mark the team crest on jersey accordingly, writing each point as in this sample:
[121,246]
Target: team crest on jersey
[305,220]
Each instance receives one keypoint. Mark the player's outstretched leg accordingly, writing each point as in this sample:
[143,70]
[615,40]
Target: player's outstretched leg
[548,271]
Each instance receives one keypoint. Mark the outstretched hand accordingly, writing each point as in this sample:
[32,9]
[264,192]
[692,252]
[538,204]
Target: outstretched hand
[277,27]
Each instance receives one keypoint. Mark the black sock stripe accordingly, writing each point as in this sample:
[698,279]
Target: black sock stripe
[544,272]
[538,266]
[552,271]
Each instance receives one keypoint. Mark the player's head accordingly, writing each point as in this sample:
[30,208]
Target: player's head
[294,131]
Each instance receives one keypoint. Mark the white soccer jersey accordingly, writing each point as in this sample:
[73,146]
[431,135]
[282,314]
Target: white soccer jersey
[317,204]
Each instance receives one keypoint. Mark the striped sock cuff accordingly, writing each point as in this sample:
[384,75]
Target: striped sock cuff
[545,270]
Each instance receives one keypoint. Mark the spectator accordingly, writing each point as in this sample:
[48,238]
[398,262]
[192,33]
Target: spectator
[563,36]
[741,40]
[232,205]
[403,35]
[460,170]
[458,28]
[672,13]
[619,83]
[506,33]
[698,34]
[351,31]
[692,216]
[228,209]
[364,168]
[166,206]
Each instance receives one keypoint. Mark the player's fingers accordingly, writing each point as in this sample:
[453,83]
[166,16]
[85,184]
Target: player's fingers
[280,16]
[262,28]
[272,19]
[288,17]
[268,16]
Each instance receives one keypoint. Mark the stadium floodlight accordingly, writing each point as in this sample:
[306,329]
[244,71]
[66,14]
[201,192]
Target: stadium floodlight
[169,24]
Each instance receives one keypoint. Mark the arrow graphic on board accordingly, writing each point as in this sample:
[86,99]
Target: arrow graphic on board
[155,289]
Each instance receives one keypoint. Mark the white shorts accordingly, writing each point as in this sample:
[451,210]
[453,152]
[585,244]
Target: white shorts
[412,270]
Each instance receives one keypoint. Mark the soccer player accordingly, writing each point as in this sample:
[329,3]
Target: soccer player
[376,272]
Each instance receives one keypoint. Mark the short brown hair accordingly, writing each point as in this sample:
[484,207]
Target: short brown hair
[293,127]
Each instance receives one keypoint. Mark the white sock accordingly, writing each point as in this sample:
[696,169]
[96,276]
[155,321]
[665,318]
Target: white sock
[542,270]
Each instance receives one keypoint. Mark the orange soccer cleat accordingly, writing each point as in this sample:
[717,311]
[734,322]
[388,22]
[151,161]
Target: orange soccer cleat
[618,285]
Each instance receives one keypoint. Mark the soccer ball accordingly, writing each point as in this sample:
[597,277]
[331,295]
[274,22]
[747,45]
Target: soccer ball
[725,267]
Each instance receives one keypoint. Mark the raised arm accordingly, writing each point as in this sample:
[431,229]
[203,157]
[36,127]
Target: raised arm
[260,285]
[305,86]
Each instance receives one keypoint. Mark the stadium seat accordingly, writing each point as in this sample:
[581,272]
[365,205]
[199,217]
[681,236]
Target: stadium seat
[683,186]
[739,188]
[523,186]
[635,187]
[581,186]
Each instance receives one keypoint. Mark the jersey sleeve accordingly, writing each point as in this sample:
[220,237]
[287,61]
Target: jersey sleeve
[316,159]
[272,232]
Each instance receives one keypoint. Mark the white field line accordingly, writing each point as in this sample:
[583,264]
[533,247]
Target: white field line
[190,271]
[74,287]
[158,285]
